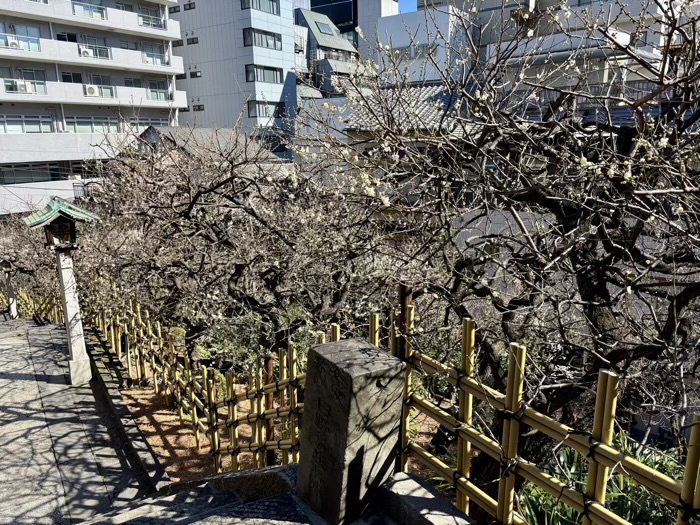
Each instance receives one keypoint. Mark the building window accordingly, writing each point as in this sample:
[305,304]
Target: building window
[129,44]
[25,124]
[125,7]
[198,107]
[268,6]
[265,109]
[92,124]
[174,9]
[181,76]
[258,38]
[72,78]
[193,40]
[189,6]
[185,109]
[195,74]
[324,28]
[178,43]
[272,75]
[132,82]
[67,37]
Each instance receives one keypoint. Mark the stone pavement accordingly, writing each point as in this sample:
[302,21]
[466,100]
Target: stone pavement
[62,459]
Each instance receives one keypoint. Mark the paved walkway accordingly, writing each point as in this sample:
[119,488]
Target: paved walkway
[61,457]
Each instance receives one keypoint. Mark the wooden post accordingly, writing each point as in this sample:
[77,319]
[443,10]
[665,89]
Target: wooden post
[374,329]
[335,332]
[193,405]
[689,494]
[293,402]
[260,409]
[607,431]
[406,319]
[252,410]
[232,416]
[511,433]
[269,403]
[213,424]
[464,446]
[283,402]
[596,434]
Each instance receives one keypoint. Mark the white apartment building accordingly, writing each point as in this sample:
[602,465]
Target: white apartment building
[74,77]
[239,62]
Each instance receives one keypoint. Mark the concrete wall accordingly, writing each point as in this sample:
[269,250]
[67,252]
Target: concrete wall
[20,198]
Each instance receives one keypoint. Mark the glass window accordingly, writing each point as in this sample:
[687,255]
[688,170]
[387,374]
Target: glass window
[181,76]
[268,6]
[198,107]
[270,75]
[132,82]
[83,124]
[32,125]
[125,7]
[67,37]
[193,40]
[174,9]
[324,28]
[14,124]
[178,43]
[188,6]
[196,74]
[73,78]
[259,38]
[265,109]
[129,44]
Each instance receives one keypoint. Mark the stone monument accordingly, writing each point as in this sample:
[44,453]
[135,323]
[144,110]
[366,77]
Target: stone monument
[351,423]
[58,219]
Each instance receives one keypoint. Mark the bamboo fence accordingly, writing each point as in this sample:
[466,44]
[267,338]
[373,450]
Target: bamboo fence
[274,398]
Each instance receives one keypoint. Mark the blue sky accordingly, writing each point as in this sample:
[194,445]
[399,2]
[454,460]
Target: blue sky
[406,6]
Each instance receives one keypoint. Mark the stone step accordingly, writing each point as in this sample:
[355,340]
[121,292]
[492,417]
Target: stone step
[168,509]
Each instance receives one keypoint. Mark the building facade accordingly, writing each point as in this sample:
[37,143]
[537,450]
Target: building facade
[239,62]
[74,78]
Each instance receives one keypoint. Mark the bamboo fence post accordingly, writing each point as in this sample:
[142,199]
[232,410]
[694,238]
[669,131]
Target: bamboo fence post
[127,349]
[293,402]
[464,446]
[232,417]
[118,338]
[193,405]
[178,395]
[596,434]
[283,403]
[393,345]
[406,321]
[214,424]
[690,495]
[260,405]
[270,403]
[511,433]
[607,431]
[251,410]
[374,329]
[335,332]
[321,338]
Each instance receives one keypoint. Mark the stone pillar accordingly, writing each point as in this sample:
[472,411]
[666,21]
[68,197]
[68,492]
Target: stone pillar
[11,298]
[350,432]
[79,362]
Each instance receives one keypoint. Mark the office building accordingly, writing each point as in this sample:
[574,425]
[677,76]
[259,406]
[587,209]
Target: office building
[74,77]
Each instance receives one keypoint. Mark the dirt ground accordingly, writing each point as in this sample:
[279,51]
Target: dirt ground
[176,447]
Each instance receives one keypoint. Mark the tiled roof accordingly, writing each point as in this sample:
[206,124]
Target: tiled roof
[411,108]
[57,207]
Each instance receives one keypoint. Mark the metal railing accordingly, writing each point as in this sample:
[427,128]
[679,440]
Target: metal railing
[25,87]
[159,94]
[94,51]
[99,91]
[89,10]
[20,43]
[151,21]
[156,59]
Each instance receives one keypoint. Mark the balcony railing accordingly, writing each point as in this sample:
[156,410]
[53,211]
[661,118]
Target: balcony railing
[93,51]
[159,94]
[25,87]
[97,91]
[89,10]
[156,59]
[151,21]
[20,43]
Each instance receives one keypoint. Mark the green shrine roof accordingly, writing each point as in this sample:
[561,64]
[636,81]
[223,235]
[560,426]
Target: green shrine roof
[55,208]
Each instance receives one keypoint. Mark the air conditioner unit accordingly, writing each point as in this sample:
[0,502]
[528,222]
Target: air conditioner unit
[86,52]
[92,90]
[13,43]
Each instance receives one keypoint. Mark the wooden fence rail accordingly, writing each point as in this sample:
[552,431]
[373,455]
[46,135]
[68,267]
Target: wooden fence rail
[211,408]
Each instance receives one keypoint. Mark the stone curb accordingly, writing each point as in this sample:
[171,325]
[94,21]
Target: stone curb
[111,376]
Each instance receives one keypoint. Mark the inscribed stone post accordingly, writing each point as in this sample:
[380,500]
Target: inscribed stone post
[350,433]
